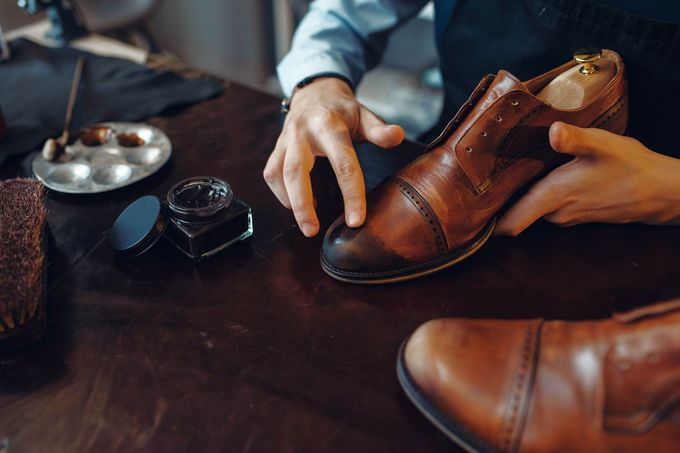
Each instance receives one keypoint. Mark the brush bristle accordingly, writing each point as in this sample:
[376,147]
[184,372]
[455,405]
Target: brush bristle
[22,256]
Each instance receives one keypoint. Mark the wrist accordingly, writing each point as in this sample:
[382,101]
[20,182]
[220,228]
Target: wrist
[665,175]
[329,80]
[328,83]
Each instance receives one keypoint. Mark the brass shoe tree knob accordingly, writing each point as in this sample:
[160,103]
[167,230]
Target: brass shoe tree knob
[588,56]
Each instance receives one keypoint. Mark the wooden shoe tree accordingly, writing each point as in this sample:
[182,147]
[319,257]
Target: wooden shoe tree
[578,85]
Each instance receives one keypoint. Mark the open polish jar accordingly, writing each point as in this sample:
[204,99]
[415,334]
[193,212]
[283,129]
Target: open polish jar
[205,217]
[200,216]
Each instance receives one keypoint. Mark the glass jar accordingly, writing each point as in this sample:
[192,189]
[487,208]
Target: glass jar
[205,218]
[200,216]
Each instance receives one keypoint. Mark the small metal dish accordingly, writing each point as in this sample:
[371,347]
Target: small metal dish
[99,161]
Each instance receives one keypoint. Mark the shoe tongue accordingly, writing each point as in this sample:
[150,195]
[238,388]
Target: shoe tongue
[503,83]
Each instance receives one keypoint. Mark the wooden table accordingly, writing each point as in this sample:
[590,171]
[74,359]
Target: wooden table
[257,349]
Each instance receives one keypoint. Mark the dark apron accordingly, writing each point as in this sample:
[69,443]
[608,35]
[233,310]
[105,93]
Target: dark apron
[529,37]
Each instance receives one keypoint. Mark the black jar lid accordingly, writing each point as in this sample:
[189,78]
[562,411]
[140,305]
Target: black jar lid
[138,227]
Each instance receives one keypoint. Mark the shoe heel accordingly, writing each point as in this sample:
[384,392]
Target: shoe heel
[615,119]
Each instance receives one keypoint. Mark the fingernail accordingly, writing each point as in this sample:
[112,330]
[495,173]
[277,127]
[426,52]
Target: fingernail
[559,133]
[353,219]
[308,229]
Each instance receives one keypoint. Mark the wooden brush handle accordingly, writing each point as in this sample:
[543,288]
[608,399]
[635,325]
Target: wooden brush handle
[72,100]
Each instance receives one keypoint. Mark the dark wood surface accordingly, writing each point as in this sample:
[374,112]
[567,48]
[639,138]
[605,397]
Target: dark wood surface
[257,349]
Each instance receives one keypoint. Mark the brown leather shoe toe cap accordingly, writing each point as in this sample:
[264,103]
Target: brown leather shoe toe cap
[393,238]
[356,250]
[475,372]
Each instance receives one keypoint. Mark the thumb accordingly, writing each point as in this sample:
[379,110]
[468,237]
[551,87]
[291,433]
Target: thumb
[374,130]
[578,141]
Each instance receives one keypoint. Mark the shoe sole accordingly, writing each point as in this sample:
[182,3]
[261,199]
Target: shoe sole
[454,431]
[420,270]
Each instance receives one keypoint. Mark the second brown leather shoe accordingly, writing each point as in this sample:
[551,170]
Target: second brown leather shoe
[442,207]
[550,386]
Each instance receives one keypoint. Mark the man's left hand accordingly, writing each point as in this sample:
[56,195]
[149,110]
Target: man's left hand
[612,179]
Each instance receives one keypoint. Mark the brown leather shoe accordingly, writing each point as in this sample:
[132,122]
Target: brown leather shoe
[535,385]
[442,207]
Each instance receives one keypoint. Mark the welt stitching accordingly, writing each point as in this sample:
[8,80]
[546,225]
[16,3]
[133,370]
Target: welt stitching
[516,391]
[426,213]
[609,115]
[388,273]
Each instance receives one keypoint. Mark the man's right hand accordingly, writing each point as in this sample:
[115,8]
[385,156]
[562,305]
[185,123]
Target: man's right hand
[323,120]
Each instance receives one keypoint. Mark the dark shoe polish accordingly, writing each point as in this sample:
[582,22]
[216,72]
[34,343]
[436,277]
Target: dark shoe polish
[200,217]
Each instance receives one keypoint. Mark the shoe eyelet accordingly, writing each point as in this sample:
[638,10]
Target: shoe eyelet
[514,102]
[484,134]
[468,149]
[498,118]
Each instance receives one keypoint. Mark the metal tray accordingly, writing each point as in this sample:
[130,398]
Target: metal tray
[118,155]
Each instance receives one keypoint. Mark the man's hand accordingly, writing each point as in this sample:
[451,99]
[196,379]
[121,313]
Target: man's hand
[612,179]
[323,120]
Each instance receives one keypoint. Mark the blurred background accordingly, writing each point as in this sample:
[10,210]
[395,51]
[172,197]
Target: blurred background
[243,40]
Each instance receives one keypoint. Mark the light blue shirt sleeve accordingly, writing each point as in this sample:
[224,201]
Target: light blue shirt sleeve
[344,37]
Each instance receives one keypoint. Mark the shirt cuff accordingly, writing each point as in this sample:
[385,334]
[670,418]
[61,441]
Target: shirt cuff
[292,70]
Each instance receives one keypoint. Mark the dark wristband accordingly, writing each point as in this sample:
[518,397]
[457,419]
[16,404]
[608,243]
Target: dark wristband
[286,102]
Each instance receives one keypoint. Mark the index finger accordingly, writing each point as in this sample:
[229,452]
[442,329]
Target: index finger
[537,202]
[296,167]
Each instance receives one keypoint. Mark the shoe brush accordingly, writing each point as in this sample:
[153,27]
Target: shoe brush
[23,250]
